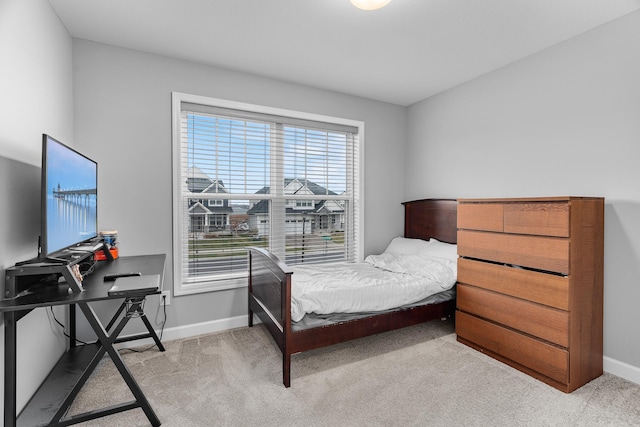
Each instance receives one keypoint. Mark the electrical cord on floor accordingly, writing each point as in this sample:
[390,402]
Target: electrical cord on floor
[164,322]
[62,327]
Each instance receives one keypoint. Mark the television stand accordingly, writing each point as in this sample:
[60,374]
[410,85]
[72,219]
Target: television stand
[65,257]
[89,246]
[40,262]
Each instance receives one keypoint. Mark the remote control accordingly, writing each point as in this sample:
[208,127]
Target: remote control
[114,276]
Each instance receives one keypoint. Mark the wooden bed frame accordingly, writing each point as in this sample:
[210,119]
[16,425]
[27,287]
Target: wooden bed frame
[270,290]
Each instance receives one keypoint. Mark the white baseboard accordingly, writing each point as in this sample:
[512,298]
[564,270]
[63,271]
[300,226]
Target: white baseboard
[621,369]
[193,330]
[612,366]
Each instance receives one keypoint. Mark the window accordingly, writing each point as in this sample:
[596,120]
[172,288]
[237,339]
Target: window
[248,175]
[304,203]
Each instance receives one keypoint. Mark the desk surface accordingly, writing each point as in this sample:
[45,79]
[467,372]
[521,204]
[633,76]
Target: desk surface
[95,288]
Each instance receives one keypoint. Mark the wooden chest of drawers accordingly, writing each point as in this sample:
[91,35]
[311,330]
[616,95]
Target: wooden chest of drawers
[530,285]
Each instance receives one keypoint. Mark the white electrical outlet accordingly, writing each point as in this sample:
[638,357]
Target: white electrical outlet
[167,297]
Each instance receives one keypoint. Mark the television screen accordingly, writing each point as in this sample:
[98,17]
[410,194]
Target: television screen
[69,197]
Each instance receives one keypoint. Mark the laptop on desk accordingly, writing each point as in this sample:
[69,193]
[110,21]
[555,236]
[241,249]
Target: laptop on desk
[135,285]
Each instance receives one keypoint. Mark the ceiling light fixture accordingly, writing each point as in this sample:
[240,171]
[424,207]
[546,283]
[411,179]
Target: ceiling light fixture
[369,4]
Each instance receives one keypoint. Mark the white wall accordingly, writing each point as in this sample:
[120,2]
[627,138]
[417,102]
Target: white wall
[565,121]
[35,79]
[35,83]
[122,117]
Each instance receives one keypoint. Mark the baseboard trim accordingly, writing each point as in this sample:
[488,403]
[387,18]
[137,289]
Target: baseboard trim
[188,331]
[621,369]
[612,366]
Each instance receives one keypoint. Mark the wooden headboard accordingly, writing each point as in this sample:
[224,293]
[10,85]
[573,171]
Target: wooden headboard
[437,218]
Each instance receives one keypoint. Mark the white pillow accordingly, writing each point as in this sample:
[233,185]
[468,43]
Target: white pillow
[405,246]
[440,249]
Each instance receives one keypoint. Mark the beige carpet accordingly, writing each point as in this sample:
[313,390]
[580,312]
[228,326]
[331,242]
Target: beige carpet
[418,376]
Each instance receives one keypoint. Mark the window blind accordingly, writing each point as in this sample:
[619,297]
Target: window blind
[246,178]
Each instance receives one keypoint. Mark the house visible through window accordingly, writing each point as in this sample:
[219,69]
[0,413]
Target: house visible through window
[255,176]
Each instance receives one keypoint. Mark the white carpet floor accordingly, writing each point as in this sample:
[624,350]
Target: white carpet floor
[418,376]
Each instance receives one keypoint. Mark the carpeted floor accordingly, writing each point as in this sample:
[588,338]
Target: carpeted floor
[418,376]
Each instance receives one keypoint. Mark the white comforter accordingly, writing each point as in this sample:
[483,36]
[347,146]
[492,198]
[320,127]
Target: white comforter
[380,283]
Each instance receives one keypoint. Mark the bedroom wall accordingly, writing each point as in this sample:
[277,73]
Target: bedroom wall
[562,122]
[35,83]
[122,118]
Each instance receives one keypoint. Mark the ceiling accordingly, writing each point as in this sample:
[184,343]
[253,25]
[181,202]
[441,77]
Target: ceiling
[401,54]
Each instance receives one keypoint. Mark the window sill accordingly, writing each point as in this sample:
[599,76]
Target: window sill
[210,286]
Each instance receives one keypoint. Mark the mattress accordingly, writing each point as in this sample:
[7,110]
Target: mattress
[313,320]
[383,282]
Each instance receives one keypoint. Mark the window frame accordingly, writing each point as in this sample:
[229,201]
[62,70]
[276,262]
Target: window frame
[239,280]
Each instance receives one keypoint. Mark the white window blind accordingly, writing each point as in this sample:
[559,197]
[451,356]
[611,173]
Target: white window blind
[249,177]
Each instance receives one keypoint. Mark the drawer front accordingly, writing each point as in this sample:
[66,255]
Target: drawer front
[481,216]
[544,358]
[543,322]
[543,219]
[546,289]
[543,253]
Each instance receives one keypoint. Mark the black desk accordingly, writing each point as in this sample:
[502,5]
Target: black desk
[53,399]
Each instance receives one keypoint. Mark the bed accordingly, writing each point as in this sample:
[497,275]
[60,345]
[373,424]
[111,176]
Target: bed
[270,293]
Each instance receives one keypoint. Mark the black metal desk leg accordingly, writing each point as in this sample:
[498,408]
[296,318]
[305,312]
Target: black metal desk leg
[115,316]
[72,325]
[107,342]
[152,332]
[10,369]
[135,309]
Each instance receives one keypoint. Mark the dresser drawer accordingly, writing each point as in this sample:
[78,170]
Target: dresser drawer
[547,323]
[543,219]
[550,361]
[542,253]
[481,216]
[546,289]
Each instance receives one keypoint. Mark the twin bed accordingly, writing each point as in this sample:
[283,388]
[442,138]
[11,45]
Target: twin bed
[305,317]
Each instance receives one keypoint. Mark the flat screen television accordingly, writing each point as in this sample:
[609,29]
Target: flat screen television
[69,198]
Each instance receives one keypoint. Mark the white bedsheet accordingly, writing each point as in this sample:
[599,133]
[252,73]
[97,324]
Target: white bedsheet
[380,283]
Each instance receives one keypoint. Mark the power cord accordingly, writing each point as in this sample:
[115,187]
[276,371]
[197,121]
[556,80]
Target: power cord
[164,322]
[62,327]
